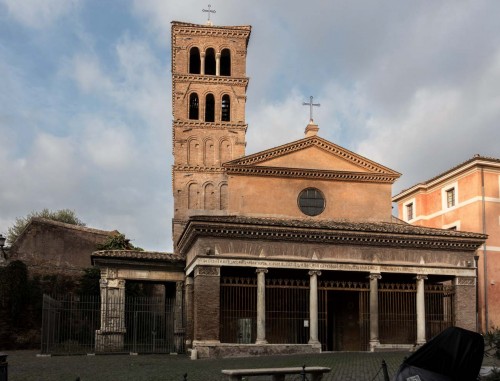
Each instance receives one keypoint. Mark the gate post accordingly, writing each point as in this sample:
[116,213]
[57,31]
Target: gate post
[110,338]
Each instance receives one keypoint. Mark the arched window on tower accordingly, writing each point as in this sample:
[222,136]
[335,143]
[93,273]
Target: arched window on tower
[194,106]
[209,197]
[193,196]
[210,108]
[226,108]
[225,62]
[194,61]
[210,61]
[223,197]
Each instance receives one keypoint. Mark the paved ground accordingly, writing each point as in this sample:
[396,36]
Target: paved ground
[347,366]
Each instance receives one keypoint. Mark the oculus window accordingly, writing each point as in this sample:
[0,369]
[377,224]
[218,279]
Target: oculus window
[311,202]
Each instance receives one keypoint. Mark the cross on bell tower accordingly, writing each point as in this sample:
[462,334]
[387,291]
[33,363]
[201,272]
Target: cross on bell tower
[209,11]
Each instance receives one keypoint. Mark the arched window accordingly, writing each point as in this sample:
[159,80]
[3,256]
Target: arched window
[210,62]
[225,151]
[194,106]
[210,108]
[223,196]
[194,152]
[194,61]
[193,196]
[209,153]
[226,108]
[209,197]
[225,62]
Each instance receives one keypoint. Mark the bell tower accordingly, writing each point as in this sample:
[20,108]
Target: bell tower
[209,86]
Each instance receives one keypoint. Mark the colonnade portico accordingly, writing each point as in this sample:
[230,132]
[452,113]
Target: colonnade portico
[312,322]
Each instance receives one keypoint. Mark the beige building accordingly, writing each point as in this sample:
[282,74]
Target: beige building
[292,249]
[464,198]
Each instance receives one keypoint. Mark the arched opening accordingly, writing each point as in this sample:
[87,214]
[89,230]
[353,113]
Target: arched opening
[209,197]
[223,197]
[226,108]
[225,62]
[210,62]
[194,106]
[194,61]
[209,153]
[225,151]
[194,152]
[210,108]
[193,196]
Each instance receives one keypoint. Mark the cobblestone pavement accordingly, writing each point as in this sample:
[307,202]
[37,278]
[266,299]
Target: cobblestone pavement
[346,366]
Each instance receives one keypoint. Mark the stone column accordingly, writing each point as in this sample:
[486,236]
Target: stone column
[261,306]
[374,332]
[313,306]
[188,303]
[110,337]
[420,309]
[202,63]
[179,329]
[217,64]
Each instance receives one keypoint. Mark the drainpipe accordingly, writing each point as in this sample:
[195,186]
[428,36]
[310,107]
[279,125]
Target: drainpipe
[485,260]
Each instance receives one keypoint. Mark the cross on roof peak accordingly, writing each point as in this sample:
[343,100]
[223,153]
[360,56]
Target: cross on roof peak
[209,11]
[310,104]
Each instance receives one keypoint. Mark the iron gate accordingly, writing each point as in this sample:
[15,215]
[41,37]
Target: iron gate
[70,322]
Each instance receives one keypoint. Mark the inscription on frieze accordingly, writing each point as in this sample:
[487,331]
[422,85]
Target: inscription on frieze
[375,268]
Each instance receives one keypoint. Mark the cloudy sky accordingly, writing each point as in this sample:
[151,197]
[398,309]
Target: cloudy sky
[85,89]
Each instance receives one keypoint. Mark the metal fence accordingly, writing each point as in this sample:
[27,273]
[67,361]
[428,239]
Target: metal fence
[72,324]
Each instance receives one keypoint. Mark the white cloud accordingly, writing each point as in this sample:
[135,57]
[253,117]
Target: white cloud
[39,13]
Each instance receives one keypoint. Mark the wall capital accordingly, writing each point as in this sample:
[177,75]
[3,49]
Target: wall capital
[314,272]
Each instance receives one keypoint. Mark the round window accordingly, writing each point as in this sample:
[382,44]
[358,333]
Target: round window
[311,201]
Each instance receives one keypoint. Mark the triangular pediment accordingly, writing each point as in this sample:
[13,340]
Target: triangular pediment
[312,154]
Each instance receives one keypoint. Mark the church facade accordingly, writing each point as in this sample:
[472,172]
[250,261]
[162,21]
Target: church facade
[293,249]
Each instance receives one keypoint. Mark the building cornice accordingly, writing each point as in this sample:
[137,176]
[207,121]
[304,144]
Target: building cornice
[474,163]
[209,80]
[311,174]
[328,232]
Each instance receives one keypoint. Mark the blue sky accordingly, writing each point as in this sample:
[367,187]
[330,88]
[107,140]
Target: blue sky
[85,95]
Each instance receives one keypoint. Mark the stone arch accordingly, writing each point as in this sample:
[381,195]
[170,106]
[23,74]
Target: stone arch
[194,152]
[225,150]
[194,106]
[223,196]
[209,200]
[194,60]
[225,108]
[225,62]
[193,195]
[209,108]
[209,153]
[210,65]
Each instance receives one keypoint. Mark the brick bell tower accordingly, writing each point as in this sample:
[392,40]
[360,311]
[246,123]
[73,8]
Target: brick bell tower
[209,86]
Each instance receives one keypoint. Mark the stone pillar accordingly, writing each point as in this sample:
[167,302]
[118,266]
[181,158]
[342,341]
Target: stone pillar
[465,302]
[374,332]
[313,306]
[188,303]
[202,63]
[110,337]
[420,309]
[217,64]
[261,306]
[206,304]
[179,329]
